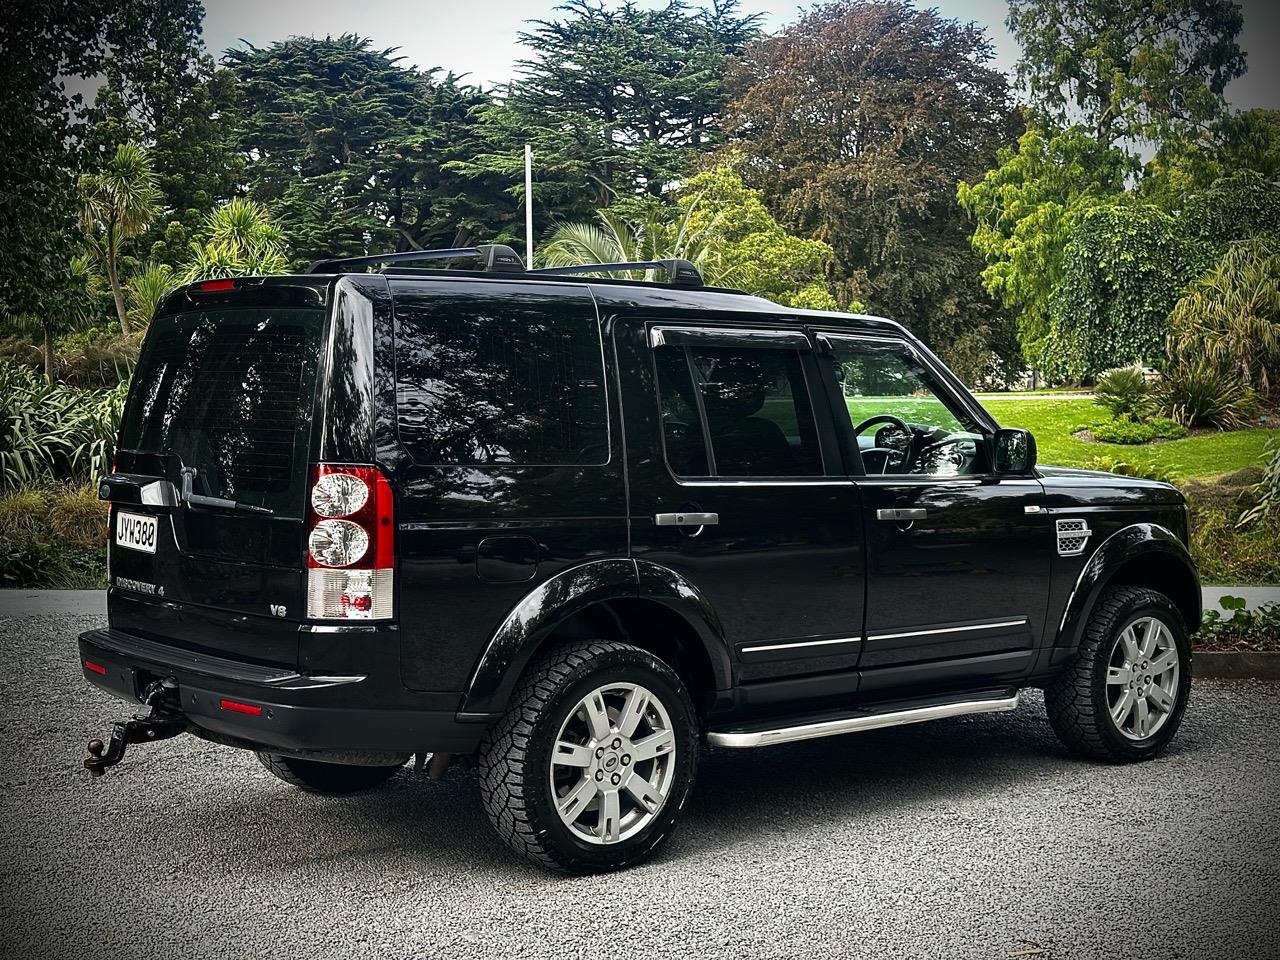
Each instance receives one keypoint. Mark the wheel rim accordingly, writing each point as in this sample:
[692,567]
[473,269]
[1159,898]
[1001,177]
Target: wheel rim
[1142,678]
[613,763]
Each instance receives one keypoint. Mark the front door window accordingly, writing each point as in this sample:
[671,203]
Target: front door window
[904,421]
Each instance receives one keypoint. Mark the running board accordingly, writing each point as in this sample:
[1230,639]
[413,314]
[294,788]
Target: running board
[747,737]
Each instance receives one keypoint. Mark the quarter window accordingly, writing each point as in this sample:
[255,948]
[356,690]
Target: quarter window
[750,405]
[482,381]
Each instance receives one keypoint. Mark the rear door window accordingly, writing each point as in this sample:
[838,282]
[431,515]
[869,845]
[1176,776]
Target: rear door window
[230,393]
[749,405]
[483,380]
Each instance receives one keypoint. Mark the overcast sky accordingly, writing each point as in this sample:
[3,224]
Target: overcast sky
[479,39]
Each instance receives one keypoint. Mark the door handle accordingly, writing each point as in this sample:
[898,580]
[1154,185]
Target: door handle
[686,519]
[914,513]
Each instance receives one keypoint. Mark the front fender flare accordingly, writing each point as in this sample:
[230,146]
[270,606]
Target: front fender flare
[1128,543]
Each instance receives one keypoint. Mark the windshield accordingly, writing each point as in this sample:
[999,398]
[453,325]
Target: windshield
[230,393]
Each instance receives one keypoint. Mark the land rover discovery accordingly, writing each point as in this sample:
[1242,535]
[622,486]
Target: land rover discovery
[573,527]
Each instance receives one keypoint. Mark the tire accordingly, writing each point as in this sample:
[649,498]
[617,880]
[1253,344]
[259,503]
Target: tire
[314,776]
[522,788]
[1086,702]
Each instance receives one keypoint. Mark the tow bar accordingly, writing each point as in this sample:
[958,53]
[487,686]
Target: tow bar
[160,724]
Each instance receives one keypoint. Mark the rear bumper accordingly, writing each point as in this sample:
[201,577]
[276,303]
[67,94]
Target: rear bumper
[297,712]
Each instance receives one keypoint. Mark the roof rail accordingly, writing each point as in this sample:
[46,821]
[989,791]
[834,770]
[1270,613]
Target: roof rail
[496,257]
[681,273]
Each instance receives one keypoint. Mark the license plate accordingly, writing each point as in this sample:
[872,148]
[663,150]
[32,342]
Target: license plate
[136,532]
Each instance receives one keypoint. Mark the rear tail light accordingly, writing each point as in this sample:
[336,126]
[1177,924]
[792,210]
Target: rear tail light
[350,544]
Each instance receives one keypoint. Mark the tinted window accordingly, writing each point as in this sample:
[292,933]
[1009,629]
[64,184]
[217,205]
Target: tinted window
[484,381]
[882,378]
[230,393]
[754,407]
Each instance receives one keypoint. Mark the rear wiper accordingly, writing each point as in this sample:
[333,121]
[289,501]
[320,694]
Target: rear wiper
[214,503]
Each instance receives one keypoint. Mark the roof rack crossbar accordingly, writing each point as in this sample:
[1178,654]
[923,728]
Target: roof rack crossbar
[680,273]
[497,257]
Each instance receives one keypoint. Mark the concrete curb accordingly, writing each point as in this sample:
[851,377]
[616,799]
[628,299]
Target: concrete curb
[1244,665]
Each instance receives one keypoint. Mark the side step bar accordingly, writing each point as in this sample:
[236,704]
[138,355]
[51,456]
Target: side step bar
[855,724]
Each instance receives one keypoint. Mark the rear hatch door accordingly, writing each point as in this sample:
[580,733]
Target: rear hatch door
[224,393]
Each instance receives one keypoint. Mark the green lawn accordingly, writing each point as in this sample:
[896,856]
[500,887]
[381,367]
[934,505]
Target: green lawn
[1053,422]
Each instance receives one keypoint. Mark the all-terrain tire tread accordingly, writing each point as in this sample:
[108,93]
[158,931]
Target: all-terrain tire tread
[1069,697]
[505,747]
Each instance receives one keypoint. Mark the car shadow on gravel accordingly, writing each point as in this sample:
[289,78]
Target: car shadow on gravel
[438,829]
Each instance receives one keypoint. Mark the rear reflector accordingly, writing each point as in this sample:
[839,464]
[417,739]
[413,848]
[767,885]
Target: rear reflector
[235,706]
[95,668]
[216,286]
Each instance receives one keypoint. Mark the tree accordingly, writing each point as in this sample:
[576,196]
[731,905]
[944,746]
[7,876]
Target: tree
[1128,69]
[758,254]
[616,101]
[1236,207]
[1025,210]
[1249,140]
[618,240]
[1122,272]
[857,122]
[41,46]
[237,239]
[356,153]
[159,90]
[116,204]
[1230,314]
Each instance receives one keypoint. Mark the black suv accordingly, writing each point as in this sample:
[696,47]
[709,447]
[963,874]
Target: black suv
[573,527]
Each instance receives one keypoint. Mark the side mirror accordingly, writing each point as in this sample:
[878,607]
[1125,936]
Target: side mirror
[1015,452]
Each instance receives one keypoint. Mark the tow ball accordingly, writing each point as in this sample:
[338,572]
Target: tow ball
[160,724]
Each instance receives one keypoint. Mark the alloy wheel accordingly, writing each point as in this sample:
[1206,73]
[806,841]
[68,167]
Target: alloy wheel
[1142,678]
[613,763]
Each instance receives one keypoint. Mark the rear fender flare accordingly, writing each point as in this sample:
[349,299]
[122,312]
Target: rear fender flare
[549,604]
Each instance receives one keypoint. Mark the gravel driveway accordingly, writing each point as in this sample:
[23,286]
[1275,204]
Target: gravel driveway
[975,837]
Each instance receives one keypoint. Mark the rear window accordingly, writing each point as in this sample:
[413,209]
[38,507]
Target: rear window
[494,381]
[230,392]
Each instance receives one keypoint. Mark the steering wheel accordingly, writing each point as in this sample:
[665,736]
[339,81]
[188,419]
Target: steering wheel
[936,445]
[888,452]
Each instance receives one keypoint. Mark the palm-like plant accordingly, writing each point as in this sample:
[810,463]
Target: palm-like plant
[145,289]
[1230,315]
[615,239]
[118,203]
[239,239]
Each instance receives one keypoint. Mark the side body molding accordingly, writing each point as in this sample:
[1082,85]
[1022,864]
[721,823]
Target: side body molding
[1136,541]
[552,602]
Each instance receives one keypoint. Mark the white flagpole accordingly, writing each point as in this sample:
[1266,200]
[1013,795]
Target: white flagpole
[528,205]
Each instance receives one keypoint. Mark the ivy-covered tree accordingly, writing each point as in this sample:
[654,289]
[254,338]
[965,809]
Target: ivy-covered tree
[1025,210]
[355,152]
[615,100]
[1124,268]
[1128,69]
[857,122]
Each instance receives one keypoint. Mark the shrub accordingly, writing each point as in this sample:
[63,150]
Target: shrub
[54,433]
[1200,394]
[1267,490]
[1231,313]
[52,537]
[1134,432]
[98,358]
[1124,392]
[1224,551]
[1125,469]
[1244,630]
